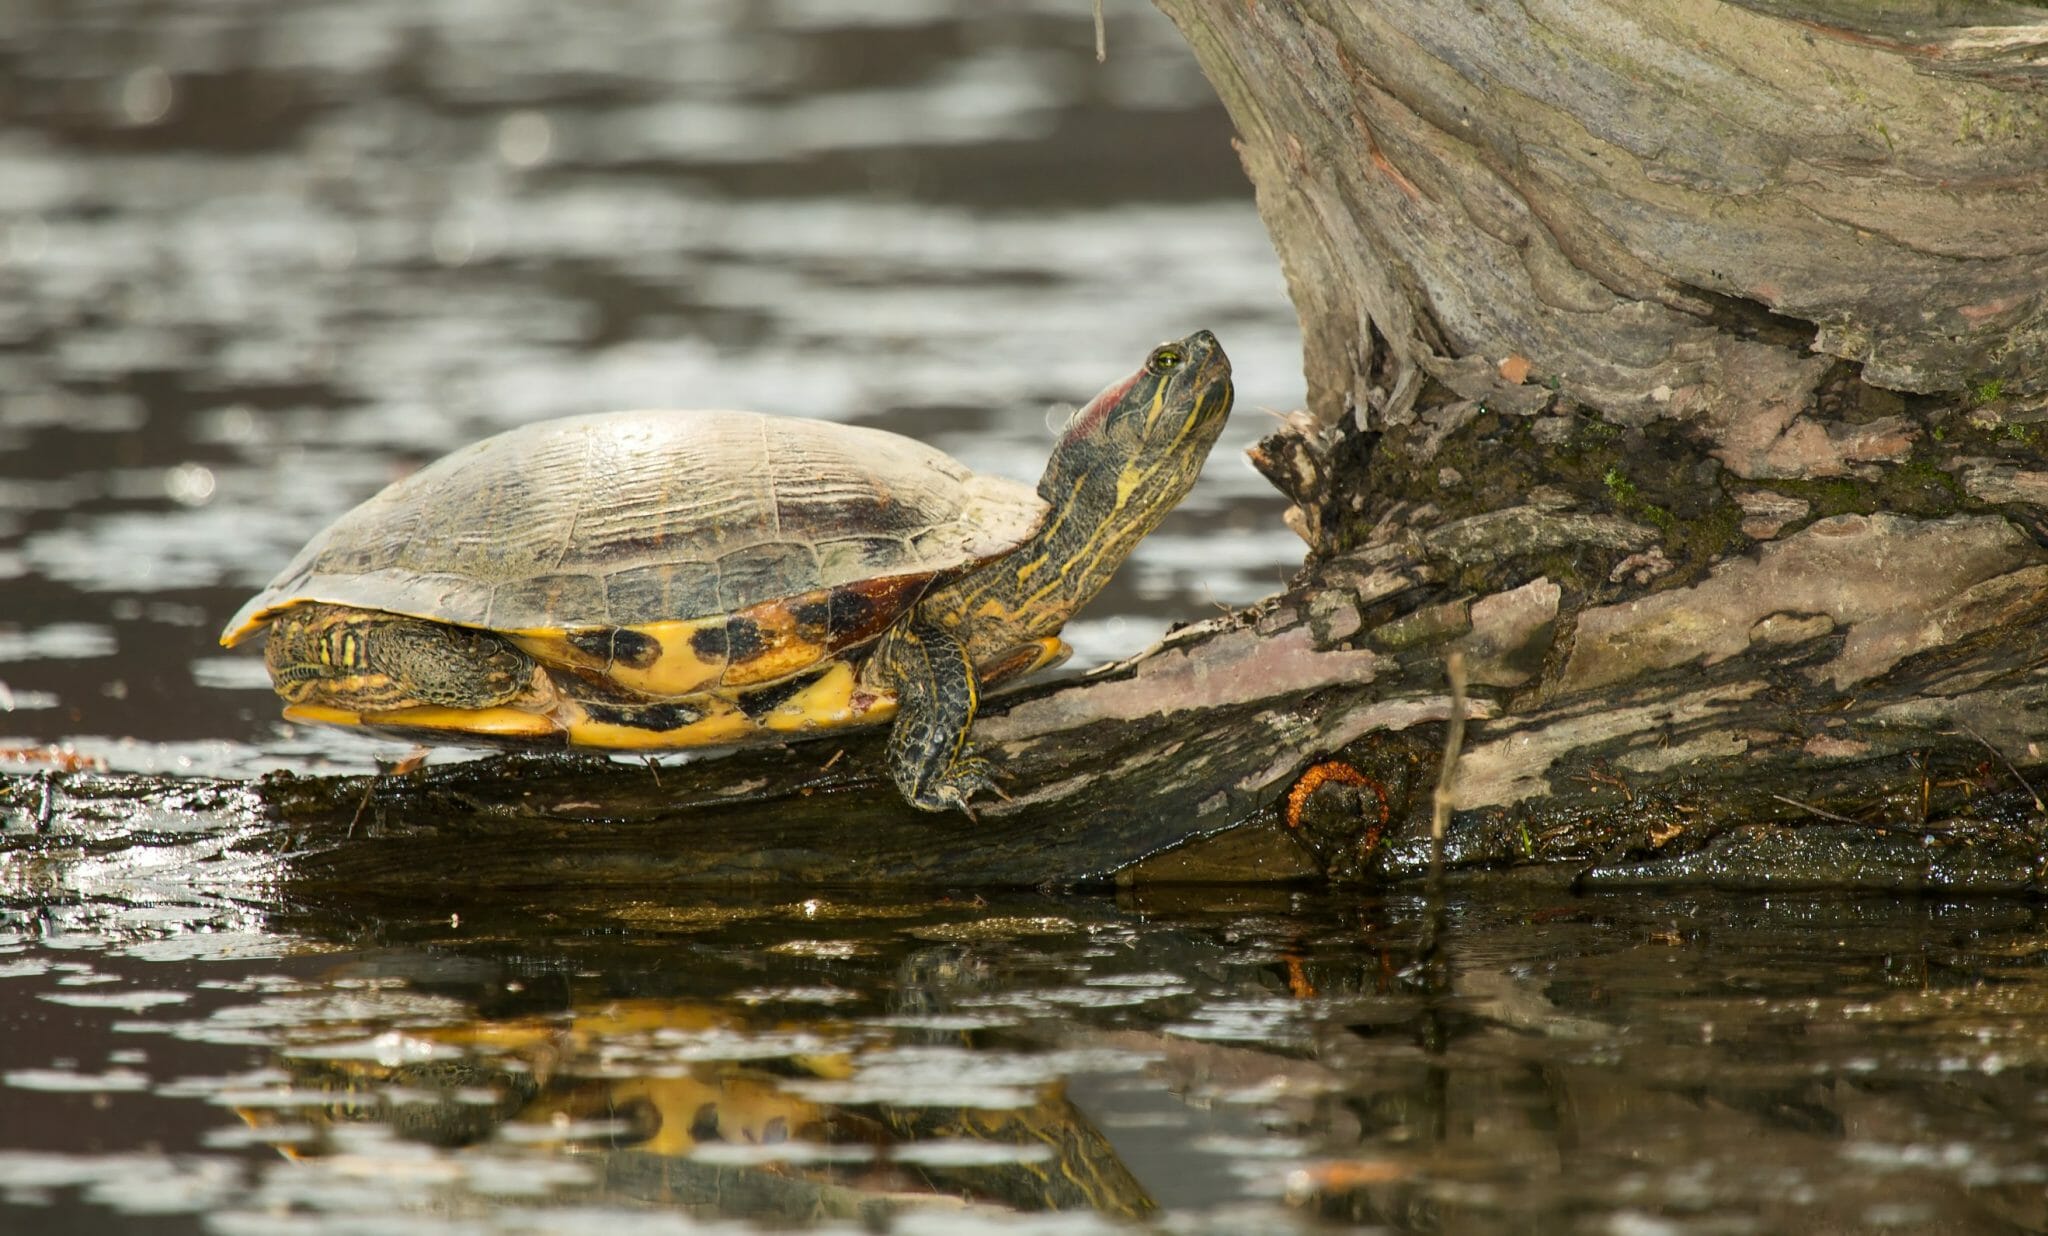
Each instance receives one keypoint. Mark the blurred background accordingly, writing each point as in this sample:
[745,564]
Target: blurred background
[258,260]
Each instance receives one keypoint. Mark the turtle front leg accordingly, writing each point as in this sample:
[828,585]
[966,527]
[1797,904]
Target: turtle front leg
[936,694]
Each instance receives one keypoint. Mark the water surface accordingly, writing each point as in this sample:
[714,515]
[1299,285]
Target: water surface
[1200,1063]
[256,261]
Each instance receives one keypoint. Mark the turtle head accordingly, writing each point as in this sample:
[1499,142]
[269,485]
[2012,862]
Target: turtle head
[1124,461]
[1169,411]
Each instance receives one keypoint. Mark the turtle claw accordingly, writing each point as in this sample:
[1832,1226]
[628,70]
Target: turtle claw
[969,775]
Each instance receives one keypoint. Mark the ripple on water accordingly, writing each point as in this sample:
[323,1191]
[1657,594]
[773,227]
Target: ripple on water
[1111,997]
[132,1184]
[72,1082]
[1250,1021]
[231,673]
[127,1001]
[59,641]
[933,1076]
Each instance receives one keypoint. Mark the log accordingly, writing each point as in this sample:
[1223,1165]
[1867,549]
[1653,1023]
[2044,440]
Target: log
[1173,767]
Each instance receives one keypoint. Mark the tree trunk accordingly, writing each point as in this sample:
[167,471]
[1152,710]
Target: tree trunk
[1710,342]
[1680,364]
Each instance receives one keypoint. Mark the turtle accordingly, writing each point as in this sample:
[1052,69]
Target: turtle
[655,580]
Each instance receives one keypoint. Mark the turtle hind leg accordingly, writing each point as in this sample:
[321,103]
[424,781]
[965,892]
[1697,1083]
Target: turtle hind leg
[936,694]
[365,661]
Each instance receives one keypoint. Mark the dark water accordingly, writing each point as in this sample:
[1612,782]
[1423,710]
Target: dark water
[1215,1063]
[257,260]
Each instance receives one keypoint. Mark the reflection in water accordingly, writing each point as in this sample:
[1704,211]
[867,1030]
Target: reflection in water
[691,1105]
[1599,1065]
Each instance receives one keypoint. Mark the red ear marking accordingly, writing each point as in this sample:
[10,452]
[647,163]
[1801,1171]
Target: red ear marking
[1090,418]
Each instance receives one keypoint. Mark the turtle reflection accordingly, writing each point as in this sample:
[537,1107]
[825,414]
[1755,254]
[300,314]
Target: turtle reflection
[638,1089]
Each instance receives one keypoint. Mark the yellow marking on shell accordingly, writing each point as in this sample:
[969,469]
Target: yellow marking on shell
[502,722]
[677,672]
[228,639]
[827,704]
[321,714]
[639,1016]
[498,1036]
[788,657]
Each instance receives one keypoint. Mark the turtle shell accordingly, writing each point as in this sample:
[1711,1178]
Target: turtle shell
[668,550]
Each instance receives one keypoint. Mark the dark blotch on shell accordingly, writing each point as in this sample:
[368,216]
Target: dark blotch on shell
[704,1124]
[814,621]
[617,646]
[596,642]
[744,640]
[758,704]
[660,718]
[709,644]
[635,649]
[862,611]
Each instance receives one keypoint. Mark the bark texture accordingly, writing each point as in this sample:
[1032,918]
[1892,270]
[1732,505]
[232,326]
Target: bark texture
[1709,338]
[1648,202]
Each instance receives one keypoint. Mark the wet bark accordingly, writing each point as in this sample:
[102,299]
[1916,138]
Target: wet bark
[1681,364]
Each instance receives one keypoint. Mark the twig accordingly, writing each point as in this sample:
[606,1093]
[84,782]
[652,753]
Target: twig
[403,766]
[2009,767]
[1433,964]
[368,786]
[1454,741]
[1823,814]
[1101,37]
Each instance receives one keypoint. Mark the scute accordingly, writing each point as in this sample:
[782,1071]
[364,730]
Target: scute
[627,519]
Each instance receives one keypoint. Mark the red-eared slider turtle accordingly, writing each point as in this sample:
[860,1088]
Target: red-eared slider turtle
[655,580]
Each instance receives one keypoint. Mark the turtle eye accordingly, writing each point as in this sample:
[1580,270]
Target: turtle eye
[1165,359]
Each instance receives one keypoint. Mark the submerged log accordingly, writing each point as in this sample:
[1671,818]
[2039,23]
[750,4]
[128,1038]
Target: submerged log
[1682,365]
